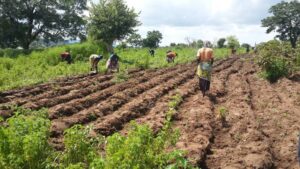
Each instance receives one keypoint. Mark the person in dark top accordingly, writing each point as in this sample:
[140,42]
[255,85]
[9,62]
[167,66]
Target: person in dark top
[152,52]
[113,63]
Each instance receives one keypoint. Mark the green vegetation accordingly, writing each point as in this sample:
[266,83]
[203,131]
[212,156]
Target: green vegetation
[278,59]
[153,39]
[24,144]
[44,65]
[135,40]
[285,21]
[40,66]
[23,22]
[232,42]
[222,114]
[120,76]
[221,42]
[111,20]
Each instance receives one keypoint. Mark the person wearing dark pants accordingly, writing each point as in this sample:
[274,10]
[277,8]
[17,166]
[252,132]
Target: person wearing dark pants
[205,61]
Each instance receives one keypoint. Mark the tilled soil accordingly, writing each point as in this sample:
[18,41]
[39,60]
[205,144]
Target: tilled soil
[259,129]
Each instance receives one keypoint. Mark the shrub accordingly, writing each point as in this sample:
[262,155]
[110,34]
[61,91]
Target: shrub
[80,148]
[141,149]
[222,114]
[24,143]
[277,59]
[143,62]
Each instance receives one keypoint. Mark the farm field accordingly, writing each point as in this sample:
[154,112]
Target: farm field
[244,122]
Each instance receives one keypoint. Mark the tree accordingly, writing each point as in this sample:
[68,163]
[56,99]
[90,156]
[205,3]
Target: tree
[221,42]
[200,43]
[285,21]
[111,20]
[23,22]
[122,45]
[246,45]
[193,44]
[135,40]
[232,42]
[172,44]
[153,39]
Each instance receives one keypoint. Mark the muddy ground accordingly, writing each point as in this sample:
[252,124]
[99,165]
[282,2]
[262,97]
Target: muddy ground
[259,127]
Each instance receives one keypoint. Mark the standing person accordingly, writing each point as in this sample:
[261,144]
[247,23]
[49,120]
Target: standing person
[113,63]
[205,61]
[94,60]
[152,52]
[66,56]
[171,56]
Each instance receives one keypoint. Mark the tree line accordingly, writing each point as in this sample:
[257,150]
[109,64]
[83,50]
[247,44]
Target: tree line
[28,21]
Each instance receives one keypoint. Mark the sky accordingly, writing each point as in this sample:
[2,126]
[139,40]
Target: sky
[209,20]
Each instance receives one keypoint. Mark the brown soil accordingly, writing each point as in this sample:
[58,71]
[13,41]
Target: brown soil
[259,129]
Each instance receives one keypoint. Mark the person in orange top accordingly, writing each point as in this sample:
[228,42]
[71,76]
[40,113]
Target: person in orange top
[205,60]
[171,56]
[66,56]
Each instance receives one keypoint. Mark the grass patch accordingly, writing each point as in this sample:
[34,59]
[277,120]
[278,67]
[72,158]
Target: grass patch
[121,76]
[43,65]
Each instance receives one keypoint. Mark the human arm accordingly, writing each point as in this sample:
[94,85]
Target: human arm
[212,58]
[198,57]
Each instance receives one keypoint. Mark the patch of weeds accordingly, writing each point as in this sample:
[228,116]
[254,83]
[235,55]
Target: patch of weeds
[92,116]
[237,137]
[55,86]
[222,114]
[143,63]
[121,76]
[175,101]
[285,114]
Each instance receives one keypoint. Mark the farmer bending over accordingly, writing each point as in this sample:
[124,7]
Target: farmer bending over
[171,56]
[113,63]
[66,56]
[94,59]
[205,62]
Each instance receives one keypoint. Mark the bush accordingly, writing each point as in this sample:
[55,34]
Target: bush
[80,148]
[24,143]
[277,59]
[143,62]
